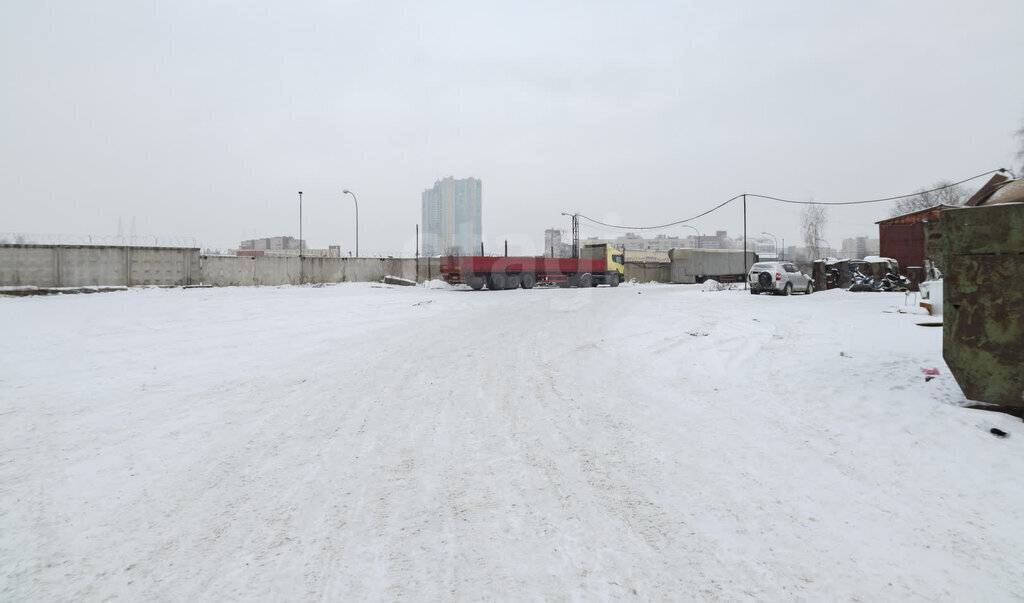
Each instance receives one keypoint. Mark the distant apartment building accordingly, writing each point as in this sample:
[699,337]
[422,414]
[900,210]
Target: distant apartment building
[283,246]
[452,217]
[720,240]
[858,248]
[271,244]
[635,242]
[554,246]
[764,248]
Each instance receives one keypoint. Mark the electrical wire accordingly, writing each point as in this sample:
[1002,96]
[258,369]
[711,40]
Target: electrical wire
[879,200]
[719,206]
[781,200]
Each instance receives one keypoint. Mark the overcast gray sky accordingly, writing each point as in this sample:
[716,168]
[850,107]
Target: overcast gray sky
[205,118]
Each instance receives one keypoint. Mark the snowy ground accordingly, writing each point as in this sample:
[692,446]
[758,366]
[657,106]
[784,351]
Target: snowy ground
[363,442]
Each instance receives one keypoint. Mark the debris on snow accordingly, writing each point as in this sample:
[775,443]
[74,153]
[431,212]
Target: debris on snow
[396,280]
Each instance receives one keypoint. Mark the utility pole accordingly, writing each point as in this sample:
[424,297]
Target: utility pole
[300,237]
[575,234]
[746,269]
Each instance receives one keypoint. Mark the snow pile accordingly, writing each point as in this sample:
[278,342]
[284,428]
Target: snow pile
[364,442]
[713,285]
[437,284]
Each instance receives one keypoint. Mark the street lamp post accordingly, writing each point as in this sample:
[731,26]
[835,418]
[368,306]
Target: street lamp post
[828,246]
[300,237]
[356,201]
[699,245]
[774,242]
[575,234]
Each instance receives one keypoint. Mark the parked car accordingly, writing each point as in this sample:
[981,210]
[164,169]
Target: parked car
[780,278]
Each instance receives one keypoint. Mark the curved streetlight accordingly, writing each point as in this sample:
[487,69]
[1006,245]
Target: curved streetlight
[356,201]
[828,246]
[575,233]
[774,242]
[696,231]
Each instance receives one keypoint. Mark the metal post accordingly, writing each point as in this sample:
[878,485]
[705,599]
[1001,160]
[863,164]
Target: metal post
[774,242]
[300,237]
[576,236]
[746,269]
[354,200]
[698,234]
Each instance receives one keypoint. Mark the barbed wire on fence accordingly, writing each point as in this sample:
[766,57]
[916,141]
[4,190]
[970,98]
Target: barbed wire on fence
[31,238]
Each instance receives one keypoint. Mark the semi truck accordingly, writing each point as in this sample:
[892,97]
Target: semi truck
[600,264]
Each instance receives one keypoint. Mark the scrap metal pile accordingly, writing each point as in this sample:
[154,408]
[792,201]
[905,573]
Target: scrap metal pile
[873,273]
[892,280]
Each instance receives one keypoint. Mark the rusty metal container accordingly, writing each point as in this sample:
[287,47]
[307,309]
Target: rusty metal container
[983,301]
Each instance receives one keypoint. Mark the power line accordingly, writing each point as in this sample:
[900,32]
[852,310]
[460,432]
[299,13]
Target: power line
[721,205]
[879,200]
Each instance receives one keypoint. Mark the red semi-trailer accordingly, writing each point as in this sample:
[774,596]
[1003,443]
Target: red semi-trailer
[513,272]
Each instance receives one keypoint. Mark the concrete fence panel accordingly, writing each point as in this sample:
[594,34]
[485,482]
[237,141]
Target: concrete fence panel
[88,266]
[96,265]
[163,266]
[274,271]
[223,271]
[228,271]
[28,266]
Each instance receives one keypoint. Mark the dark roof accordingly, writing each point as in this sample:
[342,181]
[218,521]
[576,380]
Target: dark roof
[910,218]
[1000,189]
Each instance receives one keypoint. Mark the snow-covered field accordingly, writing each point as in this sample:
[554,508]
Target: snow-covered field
[365,442]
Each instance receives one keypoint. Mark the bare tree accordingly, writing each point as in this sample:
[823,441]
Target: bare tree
[943,192]
[813,220]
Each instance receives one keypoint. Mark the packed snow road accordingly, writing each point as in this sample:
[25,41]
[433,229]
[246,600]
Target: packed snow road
[363,442]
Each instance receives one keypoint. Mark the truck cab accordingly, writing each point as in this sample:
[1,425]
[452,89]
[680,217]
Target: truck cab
[614,261]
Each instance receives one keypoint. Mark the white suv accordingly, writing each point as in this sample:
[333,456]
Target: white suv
[780,278]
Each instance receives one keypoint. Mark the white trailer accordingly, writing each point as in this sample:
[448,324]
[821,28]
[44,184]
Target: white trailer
[698,265]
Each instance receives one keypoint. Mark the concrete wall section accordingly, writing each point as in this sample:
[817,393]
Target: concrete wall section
[228,271]
[274,271]
[96,265]
[222,271]
[28,266]
[91,266]
[163,266]
[84,266]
